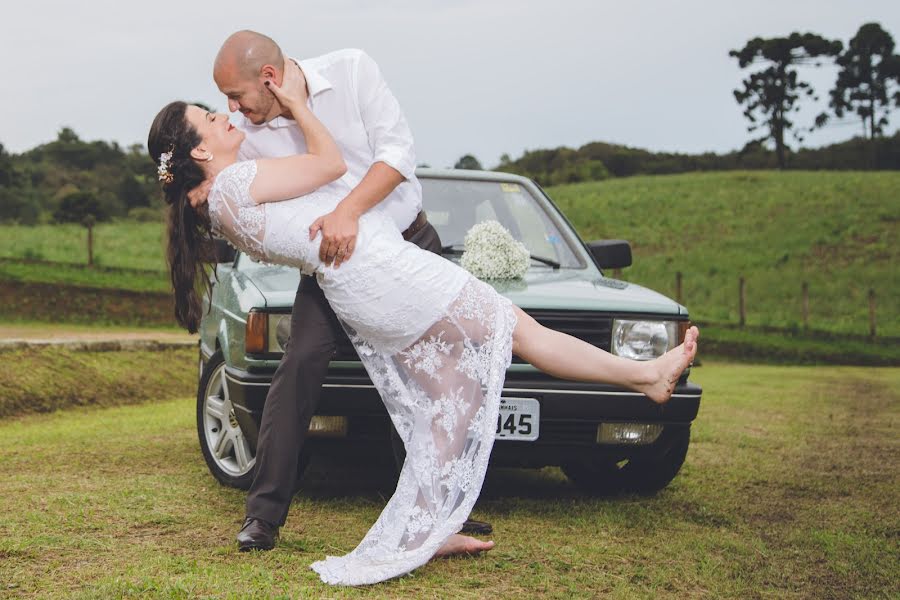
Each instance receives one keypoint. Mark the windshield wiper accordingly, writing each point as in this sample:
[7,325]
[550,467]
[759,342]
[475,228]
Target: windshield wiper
[546,261]
[457,249]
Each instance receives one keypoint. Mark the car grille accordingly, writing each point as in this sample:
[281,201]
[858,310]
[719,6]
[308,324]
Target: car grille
[591,327]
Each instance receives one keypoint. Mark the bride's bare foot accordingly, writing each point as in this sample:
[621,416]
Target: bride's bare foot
[462,544]
[668,368]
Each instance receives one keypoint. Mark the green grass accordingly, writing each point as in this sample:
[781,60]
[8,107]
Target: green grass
[790,490]
[116,244]
[836,230]
[44,379]
[75,274]
[757,344]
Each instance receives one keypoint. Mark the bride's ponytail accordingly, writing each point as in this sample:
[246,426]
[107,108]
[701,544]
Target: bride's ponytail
[189,236]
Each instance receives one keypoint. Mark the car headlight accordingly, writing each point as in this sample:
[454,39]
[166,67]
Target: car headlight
[266,332]
[643,340]
[279,332]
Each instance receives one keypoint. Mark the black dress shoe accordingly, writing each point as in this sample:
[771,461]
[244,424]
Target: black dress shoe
[476,527]
[256,534]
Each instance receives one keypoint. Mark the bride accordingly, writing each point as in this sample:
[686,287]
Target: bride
[435,340]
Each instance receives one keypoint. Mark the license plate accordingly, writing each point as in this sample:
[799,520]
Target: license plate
[518,419]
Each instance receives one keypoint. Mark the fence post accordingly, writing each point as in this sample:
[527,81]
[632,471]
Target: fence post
[678,287]
[805,305]
[872,312]
[90,245]
[743,314]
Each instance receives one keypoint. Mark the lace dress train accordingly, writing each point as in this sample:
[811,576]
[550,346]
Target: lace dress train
[443,394]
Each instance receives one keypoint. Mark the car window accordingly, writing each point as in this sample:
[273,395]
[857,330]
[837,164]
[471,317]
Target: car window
[455,205]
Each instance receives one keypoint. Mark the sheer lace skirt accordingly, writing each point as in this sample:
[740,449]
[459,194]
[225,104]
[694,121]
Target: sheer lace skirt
[442,393]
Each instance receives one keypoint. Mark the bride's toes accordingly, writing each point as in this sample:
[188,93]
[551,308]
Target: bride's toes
[690,338]
[670,366]
[462,544]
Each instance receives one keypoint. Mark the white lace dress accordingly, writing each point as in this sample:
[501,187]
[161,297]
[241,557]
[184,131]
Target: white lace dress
[435,340]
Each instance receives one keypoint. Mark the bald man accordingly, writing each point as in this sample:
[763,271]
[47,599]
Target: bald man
[346,91]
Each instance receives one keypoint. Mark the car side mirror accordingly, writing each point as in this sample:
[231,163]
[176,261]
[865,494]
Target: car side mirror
[611,254]
[224,251]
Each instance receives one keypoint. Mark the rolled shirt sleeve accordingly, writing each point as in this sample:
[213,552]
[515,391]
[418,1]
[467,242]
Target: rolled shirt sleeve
[389,134]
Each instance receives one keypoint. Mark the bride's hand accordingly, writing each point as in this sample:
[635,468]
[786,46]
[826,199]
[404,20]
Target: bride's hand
[292,90]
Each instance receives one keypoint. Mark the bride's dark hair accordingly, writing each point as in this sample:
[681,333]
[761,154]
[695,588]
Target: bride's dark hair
[190,243]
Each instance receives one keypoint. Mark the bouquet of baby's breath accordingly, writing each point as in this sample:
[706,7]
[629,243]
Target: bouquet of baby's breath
[491,252]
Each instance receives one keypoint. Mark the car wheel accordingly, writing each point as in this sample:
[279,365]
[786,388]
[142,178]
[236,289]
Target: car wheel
[642,476]
[228,454]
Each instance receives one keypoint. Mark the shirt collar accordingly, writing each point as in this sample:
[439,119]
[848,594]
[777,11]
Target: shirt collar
[316,83]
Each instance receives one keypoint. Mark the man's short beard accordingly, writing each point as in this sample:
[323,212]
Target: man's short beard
[267,101]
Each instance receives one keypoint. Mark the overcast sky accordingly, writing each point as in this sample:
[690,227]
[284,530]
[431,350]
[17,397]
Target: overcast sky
[482,77]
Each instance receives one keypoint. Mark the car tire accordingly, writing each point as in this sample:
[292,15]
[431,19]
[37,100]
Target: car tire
[642,476]
[226,450]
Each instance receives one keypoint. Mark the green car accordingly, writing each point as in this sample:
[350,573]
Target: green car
[604,438]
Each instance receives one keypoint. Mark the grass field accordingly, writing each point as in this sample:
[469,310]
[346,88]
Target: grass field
[117,244]
[763,345]
[839,231]
[836,230]
[45,379]
[790,490]
[76,274]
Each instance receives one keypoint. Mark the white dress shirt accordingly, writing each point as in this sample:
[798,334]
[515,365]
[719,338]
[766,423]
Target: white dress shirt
[349,95]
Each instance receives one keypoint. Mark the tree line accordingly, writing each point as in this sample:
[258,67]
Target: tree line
[867,84]
[70,179]
[867,87]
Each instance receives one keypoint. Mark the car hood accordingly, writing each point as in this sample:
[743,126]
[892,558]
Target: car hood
[563,289]
[278,284]
[568,289]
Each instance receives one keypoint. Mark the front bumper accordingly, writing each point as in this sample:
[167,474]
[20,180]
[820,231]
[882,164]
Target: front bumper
[570,413]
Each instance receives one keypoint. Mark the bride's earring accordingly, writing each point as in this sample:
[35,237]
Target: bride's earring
[209,156]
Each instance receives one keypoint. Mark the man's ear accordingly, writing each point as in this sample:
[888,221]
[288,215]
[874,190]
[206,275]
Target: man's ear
[270,72]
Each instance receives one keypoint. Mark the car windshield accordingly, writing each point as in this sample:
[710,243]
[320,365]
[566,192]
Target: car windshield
[455,205]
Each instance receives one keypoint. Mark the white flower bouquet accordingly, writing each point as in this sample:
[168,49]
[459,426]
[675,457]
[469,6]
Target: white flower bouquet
[491,252]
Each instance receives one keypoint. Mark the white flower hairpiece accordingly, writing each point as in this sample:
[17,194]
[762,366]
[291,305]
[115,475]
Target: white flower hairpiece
[164,173]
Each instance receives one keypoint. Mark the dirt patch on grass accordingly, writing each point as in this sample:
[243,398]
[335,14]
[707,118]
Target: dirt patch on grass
[855,249]
[77,304]
[841,471]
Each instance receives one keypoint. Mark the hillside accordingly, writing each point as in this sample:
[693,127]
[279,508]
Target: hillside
[597,161]
[836,230]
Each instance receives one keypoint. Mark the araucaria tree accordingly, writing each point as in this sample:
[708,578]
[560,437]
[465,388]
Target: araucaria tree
[770,94]
[868,83]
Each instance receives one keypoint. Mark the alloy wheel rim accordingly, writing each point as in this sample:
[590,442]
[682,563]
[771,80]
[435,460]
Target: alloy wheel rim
[226,441]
